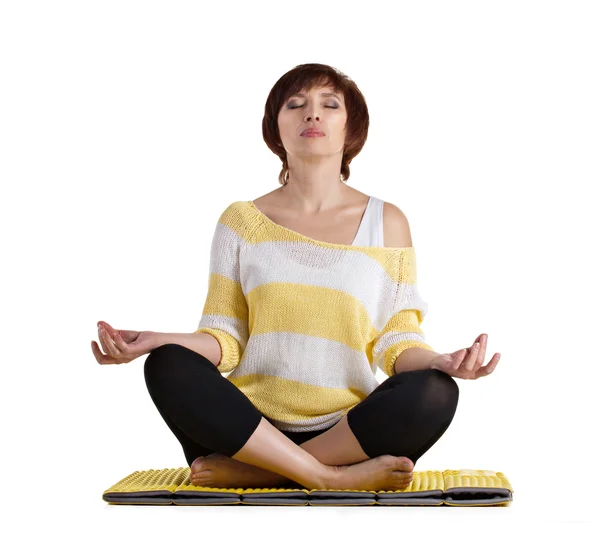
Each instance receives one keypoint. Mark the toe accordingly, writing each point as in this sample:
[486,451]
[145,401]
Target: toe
[405,464]
[196,465]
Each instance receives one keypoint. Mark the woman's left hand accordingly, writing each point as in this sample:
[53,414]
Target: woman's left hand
[467,363]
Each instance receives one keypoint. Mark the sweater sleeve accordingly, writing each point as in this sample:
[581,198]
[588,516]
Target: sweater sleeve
[403,328]
[225,313]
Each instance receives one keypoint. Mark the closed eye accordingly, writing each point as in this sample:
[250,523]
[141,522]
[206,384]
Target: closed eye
[326,106]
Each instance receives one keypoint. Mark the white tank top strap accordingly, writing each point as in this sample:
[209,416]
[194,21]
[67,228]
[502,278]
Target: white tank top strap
[370,231]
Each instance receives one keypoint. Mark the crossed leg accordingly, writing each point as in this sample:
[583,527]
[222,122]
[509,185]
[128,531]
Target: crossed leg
[336,446]
[402,417]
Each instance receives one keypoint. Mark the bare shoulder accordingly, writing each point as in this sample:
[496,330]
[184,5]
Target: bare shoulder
[396,230]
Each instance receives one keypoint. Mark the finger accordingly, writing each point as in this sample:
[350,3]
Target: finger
[102,340]
[108,330]
[478,354]
[111,349]
[100,357]
[101,336]
[106,327]
[489,367]
[472,357]
[460,358]
[481,353]
[123,346]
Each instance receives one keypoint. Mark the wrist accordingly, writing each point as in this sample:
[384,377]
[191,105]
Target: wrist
[415,358]
[158,339]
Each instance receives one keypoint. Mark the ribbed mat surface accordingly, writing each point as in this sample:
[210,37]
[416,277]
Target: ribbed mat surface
[450,487]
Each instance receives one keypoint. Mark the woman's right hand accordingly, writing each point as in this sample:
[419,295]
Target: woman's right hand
[121,346]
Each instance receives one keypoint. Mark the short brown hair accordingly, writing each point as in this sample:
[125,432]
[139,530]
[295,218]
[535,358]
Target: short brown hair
[304,77]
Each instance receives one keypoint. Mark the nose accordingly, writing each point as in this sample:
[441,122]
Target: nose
[308,117]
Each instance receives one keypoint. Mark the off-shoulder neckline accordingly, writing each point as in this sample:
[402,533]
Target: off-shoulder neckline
[321,243]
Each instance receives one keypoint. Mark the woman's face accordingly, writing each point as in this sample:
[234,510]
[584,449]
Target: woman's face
[320,108]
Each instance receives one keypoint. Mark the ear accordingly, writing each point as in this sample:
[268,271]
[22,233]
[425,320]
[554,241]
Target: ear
[396,230]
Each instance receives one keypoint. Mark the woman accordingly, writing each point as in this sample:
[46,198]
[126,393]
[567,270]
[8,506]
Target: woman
[312,286]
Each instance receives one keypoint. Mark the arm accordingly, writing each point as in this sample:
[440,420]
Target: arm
[202,343]
[401,346]
[225,314]
[414,358]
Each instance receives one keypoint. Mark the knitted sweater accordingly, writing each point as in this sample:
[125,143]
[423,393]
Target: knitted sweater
[304,324]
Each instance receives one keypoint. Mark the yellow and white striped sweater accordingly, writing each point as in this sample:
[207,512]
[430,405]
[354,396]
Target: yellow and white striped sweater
[304,324]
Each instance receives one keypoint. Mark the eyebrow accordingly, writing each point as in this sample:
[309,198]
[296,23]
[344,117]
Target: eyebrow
[326,94]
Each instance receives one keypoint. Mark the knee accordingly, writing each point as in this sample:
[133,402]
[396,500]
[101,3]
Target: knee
[439,390]
[159,360]
[444,379]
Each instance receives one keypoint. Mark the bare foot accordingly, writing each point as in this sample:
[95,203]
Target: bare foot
[220,471]
[385,472]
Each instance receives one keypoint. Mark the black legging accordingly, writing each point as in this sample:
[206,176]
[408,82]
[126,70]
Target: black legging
[404,416]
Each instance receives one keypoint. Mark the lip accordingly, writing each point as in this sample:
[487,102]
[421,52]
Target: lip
[312,132]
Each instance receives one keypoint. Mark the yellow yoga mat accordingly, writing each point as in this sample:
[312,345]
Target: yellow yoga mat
[464,488]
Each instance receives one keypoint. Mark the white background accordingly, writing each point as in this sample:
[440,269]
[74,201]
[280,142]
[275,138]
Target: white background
[128,127]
